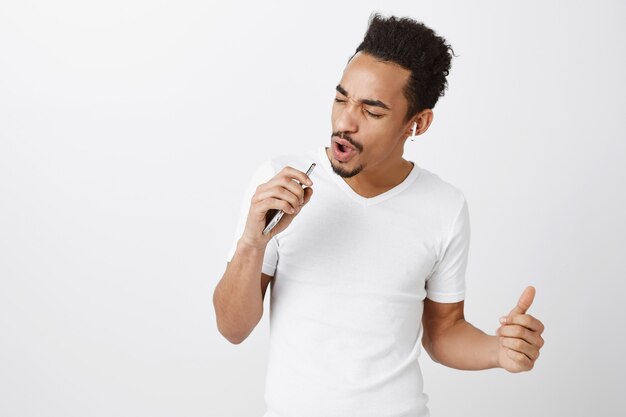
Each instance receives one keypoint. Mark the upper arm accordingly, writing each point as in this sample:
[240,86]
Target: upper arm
[438,317]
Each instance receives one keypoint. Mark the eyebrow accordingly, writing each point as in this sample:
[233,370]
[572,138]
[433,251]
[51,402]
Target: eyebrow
[368,101]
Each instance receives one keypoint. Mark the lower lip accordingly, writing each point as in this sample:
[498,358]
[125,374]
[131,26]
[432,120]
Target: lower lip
[342,156]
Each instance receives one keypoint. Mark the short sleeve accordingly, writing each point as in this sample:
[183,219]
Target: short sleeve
[447,283]
[263,173]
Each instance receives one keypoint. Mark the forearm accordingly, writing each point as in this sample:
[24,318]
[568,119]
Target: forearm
[463,346]
[238,299]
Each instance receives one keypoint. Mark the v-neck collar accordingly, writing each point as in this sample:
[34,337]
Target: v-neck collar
[359,198]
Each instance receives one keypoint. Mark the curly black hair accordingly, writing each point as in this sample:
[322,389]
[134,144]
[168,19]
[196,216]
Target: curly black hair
[413,46]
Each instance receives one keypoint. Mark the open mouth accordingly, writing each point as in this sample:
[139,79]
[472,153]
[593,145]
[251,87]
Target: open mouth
[343,153]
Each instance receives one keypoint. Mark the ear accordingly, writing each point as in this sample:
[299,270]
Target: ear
[413,128]
[423,120]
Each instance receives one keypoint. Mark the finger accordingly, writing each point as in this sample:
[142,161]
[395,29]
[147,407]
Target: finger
[525,301]
[308,193]
[525,320]
[523,363]
[298,175]
[520,346]
[292,186]
[274,203]
[286,183]
[523,333]
[277,192]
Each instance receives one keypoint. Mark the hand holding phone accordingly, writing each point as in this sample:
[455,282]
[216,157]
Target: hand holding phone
[276,218]
[282,197]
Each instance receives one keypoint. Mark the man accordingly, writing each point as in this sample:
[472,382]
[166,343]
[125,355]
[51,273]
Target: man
[381,244]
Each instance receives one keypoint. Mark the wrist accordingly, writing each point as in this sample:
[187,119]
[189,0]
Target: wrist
[495,352]
[250,247]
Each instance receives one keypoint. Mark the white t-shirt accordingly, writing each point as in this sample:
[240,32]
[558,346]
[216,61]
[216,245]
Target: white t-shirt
[350,276]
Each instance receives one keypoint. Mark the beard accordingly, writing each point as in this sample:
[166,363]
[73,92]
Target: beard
[344,173]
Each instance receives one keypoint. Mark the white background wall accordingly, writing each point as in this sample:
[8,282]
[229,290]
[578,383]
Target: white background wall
[128,130]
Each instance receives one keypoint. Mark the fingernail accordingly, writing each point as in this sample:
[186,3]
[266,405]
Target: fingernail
[309,182]
[503,320]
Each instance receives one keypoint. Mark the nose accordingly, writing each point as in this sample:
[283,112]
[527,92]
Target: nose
[345,118]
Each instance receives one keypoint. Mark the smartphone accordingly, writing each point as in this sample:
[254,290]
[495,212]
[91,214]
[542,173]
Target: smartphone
[280,213]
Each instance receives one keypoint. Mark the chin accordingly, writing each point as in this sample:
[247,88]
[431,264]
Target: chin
[345,172]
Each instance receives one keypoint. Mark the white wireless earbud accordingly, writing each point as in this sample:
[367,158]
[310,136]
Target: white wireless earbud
[414,129]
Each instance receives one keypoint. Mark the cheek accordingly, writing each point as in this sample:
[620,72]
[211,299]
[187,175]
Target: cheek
[379,132]
[378,143]
[334,113]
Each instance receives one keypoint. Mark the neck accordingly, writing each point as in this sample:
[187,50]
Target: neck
[377,179]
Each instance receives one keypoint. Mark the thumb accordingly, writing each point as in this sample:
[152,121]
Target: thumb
[525,301]
[308,192]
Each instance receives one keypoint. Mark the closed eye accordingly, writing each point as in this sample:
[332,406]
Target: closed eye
[374,115]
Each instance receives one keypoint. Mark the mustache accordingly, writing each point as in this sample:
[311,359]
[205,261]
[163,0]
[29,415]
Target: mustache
[348,138]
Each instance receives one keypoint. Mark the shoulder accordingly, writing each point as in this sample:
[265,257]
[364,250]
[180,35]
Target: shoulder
[441,193]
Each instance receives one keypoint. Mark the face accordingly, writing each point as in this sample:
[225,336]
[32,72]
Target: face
[368,112]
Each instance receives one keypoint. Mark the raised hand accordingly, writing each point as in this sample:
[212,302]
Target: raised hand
[519,336]
[283,192]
